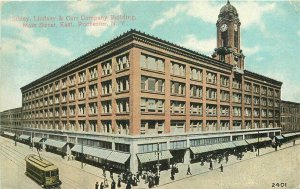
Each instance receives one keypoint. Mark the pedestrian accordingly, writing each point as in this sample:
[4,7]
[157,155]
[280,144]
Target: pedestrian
[226,158]
[294,142]
[119,181]
[176,168]
[138,176]
[188,171]
[150,182]
[96,185]
[111,173]
[101,185]
[128,185]
[105,182]
[156,178]
[146,177]
[202,162]
[103,171]
[210,165]
[113,184]
[172,174]
[221,168]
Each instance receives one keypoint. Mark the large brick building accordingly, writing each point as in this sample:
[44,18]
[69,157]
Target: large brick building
[290,116]
[139,94]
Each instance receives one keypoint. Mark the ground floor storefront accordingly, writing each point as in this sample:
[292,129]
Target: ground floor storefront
[133,154]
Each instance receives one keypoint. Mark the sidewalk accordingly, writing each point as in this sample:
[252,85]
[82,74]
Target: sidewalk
[196,168]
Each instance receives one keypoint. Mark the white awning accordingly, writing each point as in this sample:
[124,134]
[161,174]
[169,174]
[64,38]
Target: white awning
[257,140]
[118,157]
[37,139]
[287,135]
[265,139]
[200,149]
[252,140]
[153,156]
[279,137]
[96,152]
[9,134]
[55,143]
[240,143]
[24,137]
[212,147]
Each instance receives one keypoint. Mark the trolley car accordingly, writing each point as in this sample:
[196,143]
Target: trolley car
[42,171]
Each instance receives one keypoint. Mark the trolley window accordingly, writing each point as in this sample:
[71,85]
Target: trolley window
[54,173]
[48,174]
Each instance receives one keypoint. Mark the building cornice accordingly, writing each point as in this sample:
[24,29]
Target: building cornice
[130,36]
[262,78]
[290,102]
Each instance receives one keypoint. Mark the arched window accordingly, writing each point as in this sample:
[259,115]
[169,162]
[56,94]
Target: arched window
[224,38]
[236,39]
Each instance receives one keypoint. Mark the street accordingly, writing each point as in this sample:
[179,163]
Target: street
[261,172]
[278,167]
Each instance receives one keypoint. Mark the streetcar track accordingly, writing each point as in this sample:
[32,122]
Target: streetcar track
[23,165]
[6,146]
[100,176]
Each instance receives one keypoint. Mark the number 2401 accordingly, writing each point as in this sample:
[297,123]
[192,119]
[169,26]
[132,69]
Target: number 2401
[283,184]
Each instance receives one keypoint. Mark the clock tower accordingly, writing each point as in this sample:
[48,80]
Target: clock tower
[228,37]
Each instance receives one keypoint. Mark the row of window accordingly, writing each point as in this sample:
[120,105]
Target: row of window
[146,105]
[80,93]
[122,126]
[148,62]
[81,77]
[149,127]
[81,109]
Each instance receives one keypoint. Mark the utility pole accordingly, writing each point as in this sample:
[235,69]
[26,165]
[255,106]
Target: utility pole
[258,144]
[15,137]
[81,153]
[158,172]
[31,141]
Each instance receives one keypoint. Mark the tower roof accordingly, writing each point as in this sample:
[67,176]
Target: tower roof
[228,11]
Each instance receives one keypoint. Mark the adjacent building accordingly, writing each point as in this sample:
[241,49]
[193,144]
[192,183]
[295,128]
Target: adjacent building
[11,118]
[138,95]
[290,116]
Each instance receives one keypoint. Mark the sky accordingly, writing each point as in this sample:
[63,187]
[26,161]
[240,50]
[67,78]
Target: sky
[38,37]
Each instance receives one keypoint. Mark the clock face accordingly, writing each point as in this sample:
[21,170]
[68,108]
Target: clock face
[223,28]
[235,27]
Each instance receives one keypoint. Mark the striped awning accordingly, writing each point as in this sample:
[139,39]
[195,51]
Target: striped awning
[118,157]
[239,143]
[265,139]
[289,135]
[279,137]
[212,147]
[200,149]
[153,156]
[24,137]
[257,140]
[252,140]
[55,143]
[96,152]
[9,134]
[37,139]
[226,145]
